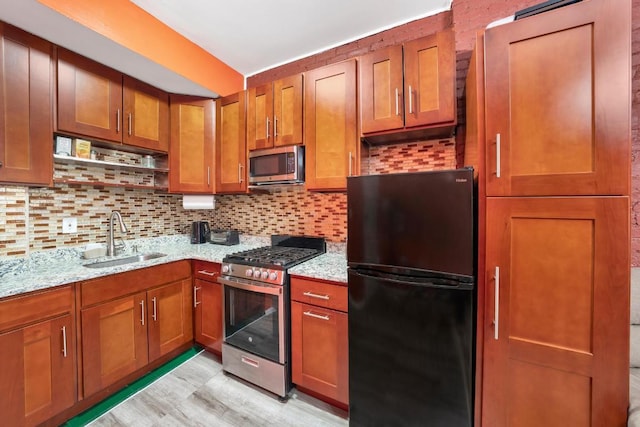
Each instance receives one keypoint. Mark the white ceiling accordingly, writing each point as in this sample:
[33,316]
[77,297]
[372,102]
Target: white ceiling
[248,35]
[254,35]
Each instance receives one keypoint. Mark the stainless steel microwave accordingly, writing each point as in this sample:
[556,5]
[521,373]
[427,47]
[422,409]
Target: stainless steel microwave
[280,165]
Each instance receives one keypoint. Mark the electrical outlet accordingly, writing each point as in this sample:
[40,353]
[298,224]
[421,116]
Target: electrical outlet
[69,225]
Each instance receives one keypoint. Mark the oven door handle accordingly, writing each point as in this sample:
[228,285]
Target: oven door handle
[261,289]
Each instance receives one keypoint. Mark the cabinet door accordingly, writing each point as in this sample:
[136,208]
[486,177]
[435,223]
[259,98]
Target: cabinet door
[319,350]
[259,117]
[114,341]
[231,147]
[381,90]
[25,108]
[429,80]
[89,98]
[146,116]
[557,102]
[170,317]
[287,111]
[37,372]
[208,314]
[556,346]
[191,157]
[330,127]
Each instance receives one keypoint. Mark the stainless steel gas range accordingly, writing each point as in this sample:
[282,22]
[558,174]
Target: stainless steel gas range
[257,339]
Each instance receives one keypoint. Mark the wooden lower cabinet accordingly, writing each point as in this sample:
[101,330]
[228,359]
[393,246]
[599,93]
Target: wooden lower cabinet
[319,339]
[556,326]
[37,349]
[208,306]
[114,341]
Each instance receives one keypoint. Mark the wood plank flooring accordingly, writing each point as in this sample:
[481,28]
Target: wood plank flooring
[199,393]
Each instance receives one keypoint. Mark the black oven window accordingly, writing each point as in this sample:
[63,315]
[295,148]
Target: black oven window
[251,322]
[268,165]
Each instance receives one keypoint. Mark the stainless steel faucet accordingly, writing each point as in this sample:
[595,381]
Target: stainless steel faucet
[111,246]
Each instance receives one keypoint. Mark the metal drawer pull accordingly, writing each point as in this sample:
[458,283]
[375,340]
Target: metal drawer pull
[496,315]
[195,296]
[312,295]
[250,362]
[64,341]
[155,312]
[317,316]
[142,312]
[207,273]
[497,155]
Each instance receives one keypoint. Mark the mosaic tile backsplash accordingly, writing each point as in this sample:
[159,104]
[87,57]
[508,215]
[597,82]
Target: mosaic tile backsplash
[31,218]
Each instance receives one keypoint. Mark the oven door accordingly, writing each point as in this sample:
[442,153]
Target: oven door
[254,317]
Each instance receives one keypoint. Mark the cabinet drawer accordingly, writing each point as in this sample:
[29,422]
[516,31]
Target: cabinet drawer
[323,294]
[24,309]
[118,285]
[206,270]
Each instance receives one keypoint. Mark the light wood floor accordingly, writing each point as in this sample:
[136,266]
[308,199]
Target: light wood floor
[198,393]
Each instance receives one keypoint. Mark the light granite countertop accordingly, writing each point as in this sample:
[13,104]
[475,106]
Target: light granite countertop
[47,269]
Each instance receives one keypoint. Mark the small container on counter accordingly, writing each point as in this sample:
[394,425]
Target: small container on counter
[148,161]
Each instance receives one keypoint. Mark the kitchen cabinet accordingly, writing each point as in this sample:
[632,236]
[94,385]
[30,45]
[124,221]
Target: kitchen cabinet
[191,154]
[409,89]
[207,305]
[331,126]
[231,144]
[319,338]
[274,113]
[98,102]
[132,318]
[553,157]
[37,349]
[26,108]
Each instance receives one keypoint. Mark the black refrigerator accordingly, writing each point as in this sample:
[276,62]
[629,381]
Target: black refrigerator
[412,298]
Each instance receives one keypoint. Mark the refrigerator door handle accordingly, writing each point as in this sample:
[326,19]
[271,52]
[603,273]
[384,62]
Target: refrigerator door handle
[429,282]
[496,311]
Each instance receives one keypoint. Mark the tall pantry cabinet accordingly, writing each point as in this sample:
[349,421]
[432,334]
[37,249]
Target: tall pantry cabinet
[555,165]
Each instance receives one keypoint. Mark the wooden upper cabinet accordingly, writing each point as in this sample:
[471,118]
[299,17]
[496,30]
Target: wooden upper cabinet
[408,87]
[26,108]
[231,145]
[274,113]
[191,154]
[330,127]
[89,98]
[557,99]
[556,345]
[98,102]
[146,115]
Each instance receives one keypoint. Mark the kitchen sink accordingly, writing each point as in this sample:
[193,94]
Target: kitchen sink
[126,260]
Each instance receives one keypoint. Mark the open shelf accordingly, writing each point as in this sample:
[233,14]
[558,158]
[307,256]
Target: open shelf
[102,163]
[110,184]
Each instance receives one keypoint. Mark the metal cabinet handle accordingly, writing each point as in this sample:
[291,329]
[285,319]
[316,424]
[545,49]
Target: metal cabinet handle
[240,167]
[267,128]
[275,126]
[207,273]
[350,163]
[397,107]
[497,155]
[208,176]
[195,296]
[496,315]
[312,295]
[250,362]
[118,121]
[0,164]
[316,316]
[64,341]
[142,312]
[155,310]
[410,100]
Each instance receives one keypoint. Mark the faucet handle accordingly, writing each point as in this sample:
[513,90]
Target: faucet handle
[119,247]
[134,248]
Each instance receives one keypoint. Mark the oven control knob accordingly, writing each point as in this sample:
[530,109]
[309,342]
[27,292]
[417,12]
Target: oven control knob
[225,268]
[273,275]
[256,274]
[265,274]
[248,272]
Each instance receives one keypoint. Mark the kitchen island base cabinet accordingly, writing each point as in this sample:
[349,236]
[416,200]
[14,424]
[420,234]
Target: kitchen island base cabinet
[319,339]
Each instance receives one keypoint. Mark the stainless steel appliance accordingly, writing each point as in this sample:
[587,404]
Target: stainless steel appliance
[224,237]
[280,165]
[257,341]
[411,256]
[200,232]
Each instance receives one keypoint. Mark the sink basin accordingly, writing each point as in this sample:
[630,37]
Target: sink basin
[123,261]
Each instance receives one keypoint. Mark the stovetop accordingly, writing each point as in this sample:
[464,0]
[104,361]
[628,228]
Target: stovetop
[272,256]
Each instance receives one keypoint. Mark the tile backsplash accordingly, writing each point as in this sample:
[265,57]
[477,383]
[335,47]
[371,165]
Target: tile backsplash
[31,218]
